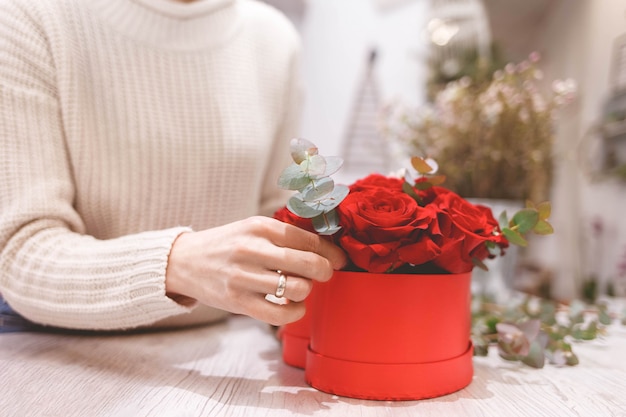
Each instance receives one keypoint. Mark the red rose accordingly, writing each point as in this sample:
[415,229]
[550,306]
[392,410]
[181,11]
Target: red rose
[377,181]
[384,228]
[465,229]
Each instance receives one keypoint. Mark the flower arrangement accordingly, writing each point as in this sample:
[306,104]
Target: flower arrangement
[395,224]
[410,224]
[494,137]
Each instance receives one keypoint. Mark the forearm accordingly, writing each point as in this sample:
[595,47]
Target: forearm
[55,277]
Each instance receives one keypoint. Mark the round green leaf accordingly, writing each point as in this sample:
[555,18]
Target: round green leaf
[293,178]
[525,220]
[314,166]
[302,209]
[536,357]
[503,220]
[544,210]
[326,224]
[335,197]
[301,149]
[318,189]
[543,228]
[333,163]
[514,237]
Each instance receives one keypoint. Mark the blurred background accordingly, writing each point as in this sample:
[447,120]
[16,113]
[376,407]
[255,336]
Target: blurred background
[528,97]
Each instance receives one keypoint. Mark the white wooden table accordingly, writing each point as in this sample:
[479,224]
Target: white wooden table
[235,369]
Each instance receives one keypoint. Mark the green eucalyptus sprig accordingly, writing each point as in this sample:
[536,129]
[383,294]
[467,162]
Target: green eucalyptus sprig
[316,195]
[532,218]
[536,331]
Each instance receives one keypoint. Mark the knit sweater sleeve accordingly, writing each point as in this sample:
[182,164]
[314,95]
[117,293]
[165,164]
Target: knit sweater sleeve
[51,272]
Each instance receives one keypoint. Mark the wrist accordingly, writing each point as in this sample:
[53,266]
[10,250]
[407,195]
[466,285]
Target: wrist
[176,271]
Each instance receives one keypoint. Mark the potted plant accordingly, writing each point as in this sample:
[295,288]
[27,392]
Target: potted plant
[395,323]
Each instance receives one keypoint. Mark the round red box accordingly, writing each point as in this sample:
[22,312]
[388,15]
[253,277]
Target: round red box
[390,336]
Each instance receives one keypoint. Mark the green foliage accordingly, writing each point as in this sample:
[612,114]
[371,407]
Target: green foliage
[530,219]
[534,330]
[316,194]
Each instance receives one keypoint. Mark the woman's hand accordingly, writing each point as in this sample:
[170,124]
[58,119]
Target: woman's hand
[234,267]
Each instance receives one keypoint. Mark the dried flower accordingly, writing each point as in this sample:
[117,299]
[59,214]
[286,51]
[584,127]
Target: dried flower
[494,138]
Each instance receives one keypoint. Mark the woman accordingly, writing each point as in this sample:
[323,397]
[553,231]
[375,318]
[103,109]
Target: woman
[140,139]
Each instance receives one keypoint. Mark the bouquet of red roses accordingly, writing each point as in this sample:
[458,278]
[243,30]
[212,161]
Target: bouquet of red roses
[402,225]
[409,337]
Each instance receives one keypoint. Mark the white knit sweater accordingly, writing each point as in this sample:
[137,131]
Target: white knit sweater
[122,124]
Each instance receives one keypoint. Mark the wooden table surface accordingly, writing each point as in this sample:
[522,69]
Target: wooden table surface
[234,368]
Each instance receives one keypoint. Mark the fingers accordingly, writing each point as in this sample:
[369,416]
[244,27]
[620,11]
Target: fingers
[303,253]
[299,239]
[290,236]
[274,314]
[296,288]
[234,267]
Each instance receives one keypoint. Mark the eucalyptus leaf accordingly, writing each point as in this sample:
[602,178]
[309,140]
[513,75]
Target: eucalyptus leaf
[480,264]
[543,228]
[333,163]
[408,189]
[327,223]
[530,328]
[514,237]
[420,165]
[423,185]
[329,201]
[437,179]
[298,207]
[301,149]
[544,210]
[525,220]
[317,195]
[293,178]
[503,220]
[318,189]
[336,196]
[314,166]
[329,231]
[536,357]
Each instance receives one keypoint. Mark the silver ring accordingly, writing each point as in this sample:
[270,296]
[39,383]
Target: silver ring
[282,284]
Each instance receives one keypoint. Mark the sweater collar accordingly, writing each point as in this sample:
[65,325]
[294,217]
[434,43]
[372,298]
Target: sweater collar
[181,10]
[172,25]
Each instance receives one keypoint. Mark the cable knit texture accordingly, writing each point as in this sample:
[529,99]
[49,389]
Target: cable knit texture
[124,123]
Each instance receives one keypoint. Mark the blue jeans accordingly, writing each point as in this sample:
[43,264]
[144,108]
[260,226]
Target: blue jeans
[10,321]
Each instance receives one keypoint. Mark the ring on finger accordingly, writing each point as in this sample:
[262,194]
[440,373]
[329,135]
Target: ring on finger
[282,284]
